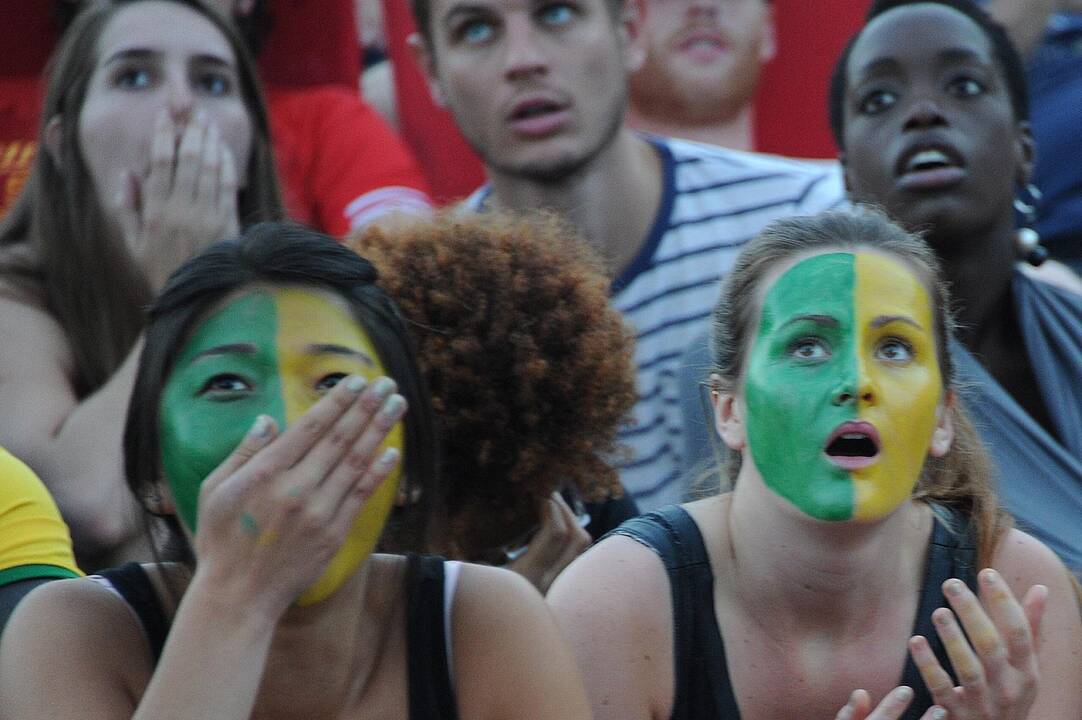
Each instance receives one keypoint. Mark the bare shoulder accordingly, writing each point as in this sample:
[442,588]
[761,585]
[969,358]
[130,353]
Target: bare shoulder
[507,651]
[614,603]
[40,336]
[1024,561]
[75,639]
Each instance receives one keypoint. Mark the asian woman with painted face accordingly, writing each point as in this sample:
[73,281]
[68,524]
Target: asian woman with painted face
[155,144]
[267,423]
[845,556]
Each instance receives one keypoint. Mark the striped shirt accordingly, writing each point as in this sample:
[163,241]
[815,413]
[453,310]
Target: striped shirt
[714,200]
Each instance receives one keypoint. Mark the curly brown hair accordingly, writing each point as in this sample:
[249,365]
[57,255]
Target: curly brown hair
[529,366]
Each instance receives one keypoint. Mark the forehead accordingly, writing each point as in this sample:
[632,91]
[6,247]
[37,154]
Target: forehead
[441,9]
[167,27]
[920,35]
[830,279]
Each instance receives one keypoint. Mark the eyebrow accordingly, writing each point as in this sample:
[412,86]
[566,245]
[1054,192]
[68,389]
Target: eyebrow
[148,54]
[229,349]
[332,349]
[817,319]
[888,319]
[884,65]
[467,9]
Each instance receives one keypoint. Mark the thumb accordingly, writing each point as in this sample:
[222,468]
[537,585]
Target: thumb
[126,203]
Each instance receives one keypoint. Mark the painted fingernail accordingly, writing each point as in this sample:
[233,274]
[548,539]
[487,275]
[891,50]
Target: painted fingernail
[393,406]
[939,714]
[989,576]
[954,587]
[383,387]
[355,383]
[261,427]
[388,459]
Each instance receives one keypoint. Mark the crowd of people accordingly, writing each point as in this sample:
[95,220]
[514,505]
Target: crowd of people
[649,425]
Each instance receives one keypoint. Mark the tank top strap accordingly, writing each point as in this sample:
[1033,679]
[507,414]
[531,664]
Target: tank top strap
[431,695]
[952,553]
[701,678]
[132,583]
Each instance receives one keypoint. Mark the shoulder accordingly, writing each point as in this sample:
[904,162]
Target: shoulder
[73,630]
[1024,561]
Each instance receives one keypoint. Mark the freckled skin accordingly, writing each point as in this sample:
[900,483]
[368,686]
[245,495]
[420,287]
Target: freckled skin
[209,402]
[792,401]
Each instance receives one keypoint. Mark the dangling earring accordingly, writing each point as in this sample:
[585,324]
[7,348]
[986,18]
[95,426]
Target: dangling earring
[1027,241]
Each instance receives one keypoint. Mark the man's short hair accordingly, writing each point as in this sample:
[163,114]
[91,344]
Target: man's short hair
[1006,54]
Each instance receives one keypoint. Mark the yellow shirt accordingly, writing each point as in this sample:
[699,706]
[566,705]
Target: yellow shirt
[34,540]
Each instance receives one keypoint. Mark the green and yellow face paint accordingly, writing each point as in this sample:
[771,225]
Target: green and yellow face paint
[266,352]
[842,386]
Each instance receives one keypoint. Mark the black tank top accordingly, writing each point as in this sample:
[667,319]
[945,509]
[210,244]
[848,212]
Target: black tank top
[701,679]
[431,695]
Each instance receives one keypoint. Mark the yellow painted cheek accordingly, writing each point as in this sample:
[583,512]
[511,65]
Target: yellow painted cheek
[905,398]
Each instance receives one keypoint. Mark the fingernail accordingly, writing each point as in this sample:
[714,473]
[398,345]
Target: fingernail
[939,714]
[384,387]
[393,406]
[201,115]
[903,693]
[989,576]
[261,427]
[954,587]
[355,383]
[388,459]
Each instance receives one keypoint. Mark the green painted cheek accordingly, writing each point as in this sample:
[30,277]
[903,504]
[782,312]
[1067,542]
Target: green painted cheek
[197,432]
[790,412]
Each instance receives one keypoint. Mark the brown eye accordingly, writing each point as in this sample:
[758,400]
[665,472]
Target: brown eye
[809,349]
[325,383]
[895,350]
[225,385]
[877,101]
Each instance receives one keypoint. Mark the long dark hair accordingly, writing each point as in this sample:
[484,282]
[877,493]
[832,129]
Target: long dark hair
[90,282]
[277,253]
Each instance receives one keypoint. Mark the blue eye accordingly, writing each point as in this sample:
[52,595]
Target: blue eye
[133,79]
[809,349]
[877,101]
[895,350]
[966,87]
[215,84]
[476,32]
[556,14]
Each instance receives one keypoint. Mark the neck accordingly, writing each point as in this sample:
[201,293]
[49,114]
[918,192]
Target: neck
[735,132]
[819,575]
[980,283]
[612,201]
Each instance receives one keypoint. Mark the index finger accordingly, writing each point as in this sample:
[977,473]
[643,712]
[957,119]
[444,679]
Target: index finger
[1008,615]
[302,435]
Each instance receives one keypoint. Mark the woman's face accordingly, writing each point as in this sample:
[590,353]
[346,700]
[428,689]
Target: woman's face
[842,388]
[930,131]
[266,351]
[157,57]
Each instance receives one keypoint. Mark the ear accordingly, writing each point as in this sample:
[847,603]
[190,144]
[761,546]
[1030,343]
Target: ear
[161,502]
[632,17]
[426,61]
[943,435]
[1027,153]
[768,45]
[728,415]
[54,135]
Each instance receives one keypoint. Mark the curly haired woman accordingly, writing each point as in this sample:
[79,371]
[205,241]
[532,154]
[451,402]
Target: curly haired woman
[530,371]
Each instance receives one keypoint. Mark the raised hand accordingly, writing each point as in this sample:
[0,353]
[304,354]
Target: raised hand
[891,707]
[998,671]
[273,514]
[187,200]
[559,541]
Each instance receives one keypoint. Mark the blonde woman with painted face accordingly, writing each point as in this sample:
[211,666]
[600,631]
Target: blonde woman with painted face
[280,425]
[861,535]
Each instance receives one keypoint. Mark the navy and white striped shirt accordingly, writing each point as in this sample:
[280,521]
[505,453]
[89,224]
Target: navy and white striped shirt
[713,201]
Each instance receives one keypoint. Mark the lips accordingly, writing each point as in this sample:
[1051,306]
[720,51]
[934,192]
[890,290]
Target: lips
[538,115]
[853,445]
[930,164]
[702,45]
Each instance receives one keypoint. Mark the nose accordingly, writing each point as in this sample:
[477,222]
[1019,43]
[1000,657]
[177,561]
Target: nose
[703,8]
[853,388]
[180,100]
[524,56]
[924,113]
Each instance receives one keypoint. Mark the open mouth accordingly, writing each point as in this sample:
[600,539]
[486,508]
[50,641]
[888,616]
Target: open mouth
[929,167]
[535,109]
[853,445]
